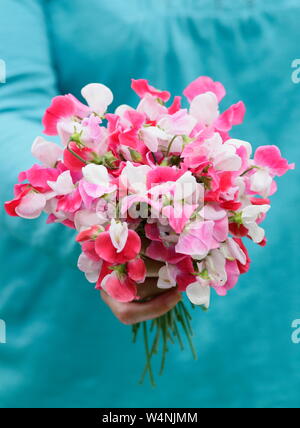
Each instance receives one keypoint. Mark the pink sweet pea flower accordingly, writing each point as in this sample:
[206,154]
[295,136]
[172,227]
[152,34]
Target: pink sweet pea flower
[205,109]
[39,177]
[202,85]
[28,203]
[120,287]
[231,117]
[270,158]
[113,248]
[178,215]
[270,163]
[142,88]
[180,123]
[90,267]
[176,106]
[96,182]
[162,174]
[198,239]
[63,106]
[158,251]
[136,270]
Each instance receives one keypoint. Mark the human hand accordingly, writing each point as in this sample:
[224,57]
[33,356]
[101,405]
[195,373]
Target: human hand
[160,302]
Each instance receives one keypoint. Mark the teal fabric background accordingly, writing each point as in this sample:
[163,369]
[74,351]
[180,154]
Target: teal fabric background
[64,348]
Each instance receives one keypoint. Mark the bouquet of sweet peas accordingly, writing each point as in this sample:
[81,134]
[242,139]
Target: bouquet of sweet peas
[155,182]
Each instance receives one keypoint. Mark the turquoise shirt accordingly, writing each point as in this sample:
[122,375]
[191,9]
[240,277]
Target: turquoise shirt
[64,348]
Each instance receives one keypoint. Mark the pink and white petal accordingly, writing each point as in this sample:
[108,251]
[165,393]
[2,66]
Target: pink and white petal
[46,152]
[221,229]
[270,157]
[167,277]
[261,183]
[63,185]
[31,205]
[202,85]
[205,108]
[90,267]
[151,107]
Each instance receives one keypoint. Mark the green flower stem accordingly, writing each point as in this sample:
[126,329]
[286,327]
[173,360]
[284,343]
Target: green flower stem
[148,355]
[164,330]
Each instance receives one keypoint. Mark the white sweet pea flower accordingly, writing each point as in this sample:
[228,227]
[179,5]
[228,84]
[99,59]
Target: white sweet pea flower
[232,251]
[90,268]
[186,187]
[205,108]
[134,178]
[98,97]
[223,156]
[122,109]
[153,137]
[215,266]
[167,277]
[199,294]
[63,185]
[96,174]
[46,152]
[85,219]
[180,123]
[261,182]
[151,107]
[250,216]
[119,234]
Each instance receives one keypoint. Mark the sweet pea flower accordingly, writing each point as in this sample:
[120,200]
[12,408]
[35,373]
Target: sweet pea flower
[180,123]
[62,107]
[202,85]
[142,88]
[46,152]
[154,138]
[28,203]
[199,294]
[269,163]
[98,97]
[197,240]
[223,156]
[89,267]
[134,178]
[205,108]
[250,217]
[118,245]
[136,270]
[120,287]
[63,185]
[213,269]
[167,277]
[152,108]
[96,183]
[119,235]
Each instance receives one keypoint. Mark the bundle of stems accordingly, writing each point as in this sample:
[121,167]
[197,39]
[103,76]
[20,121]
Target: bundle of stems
[161,332]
